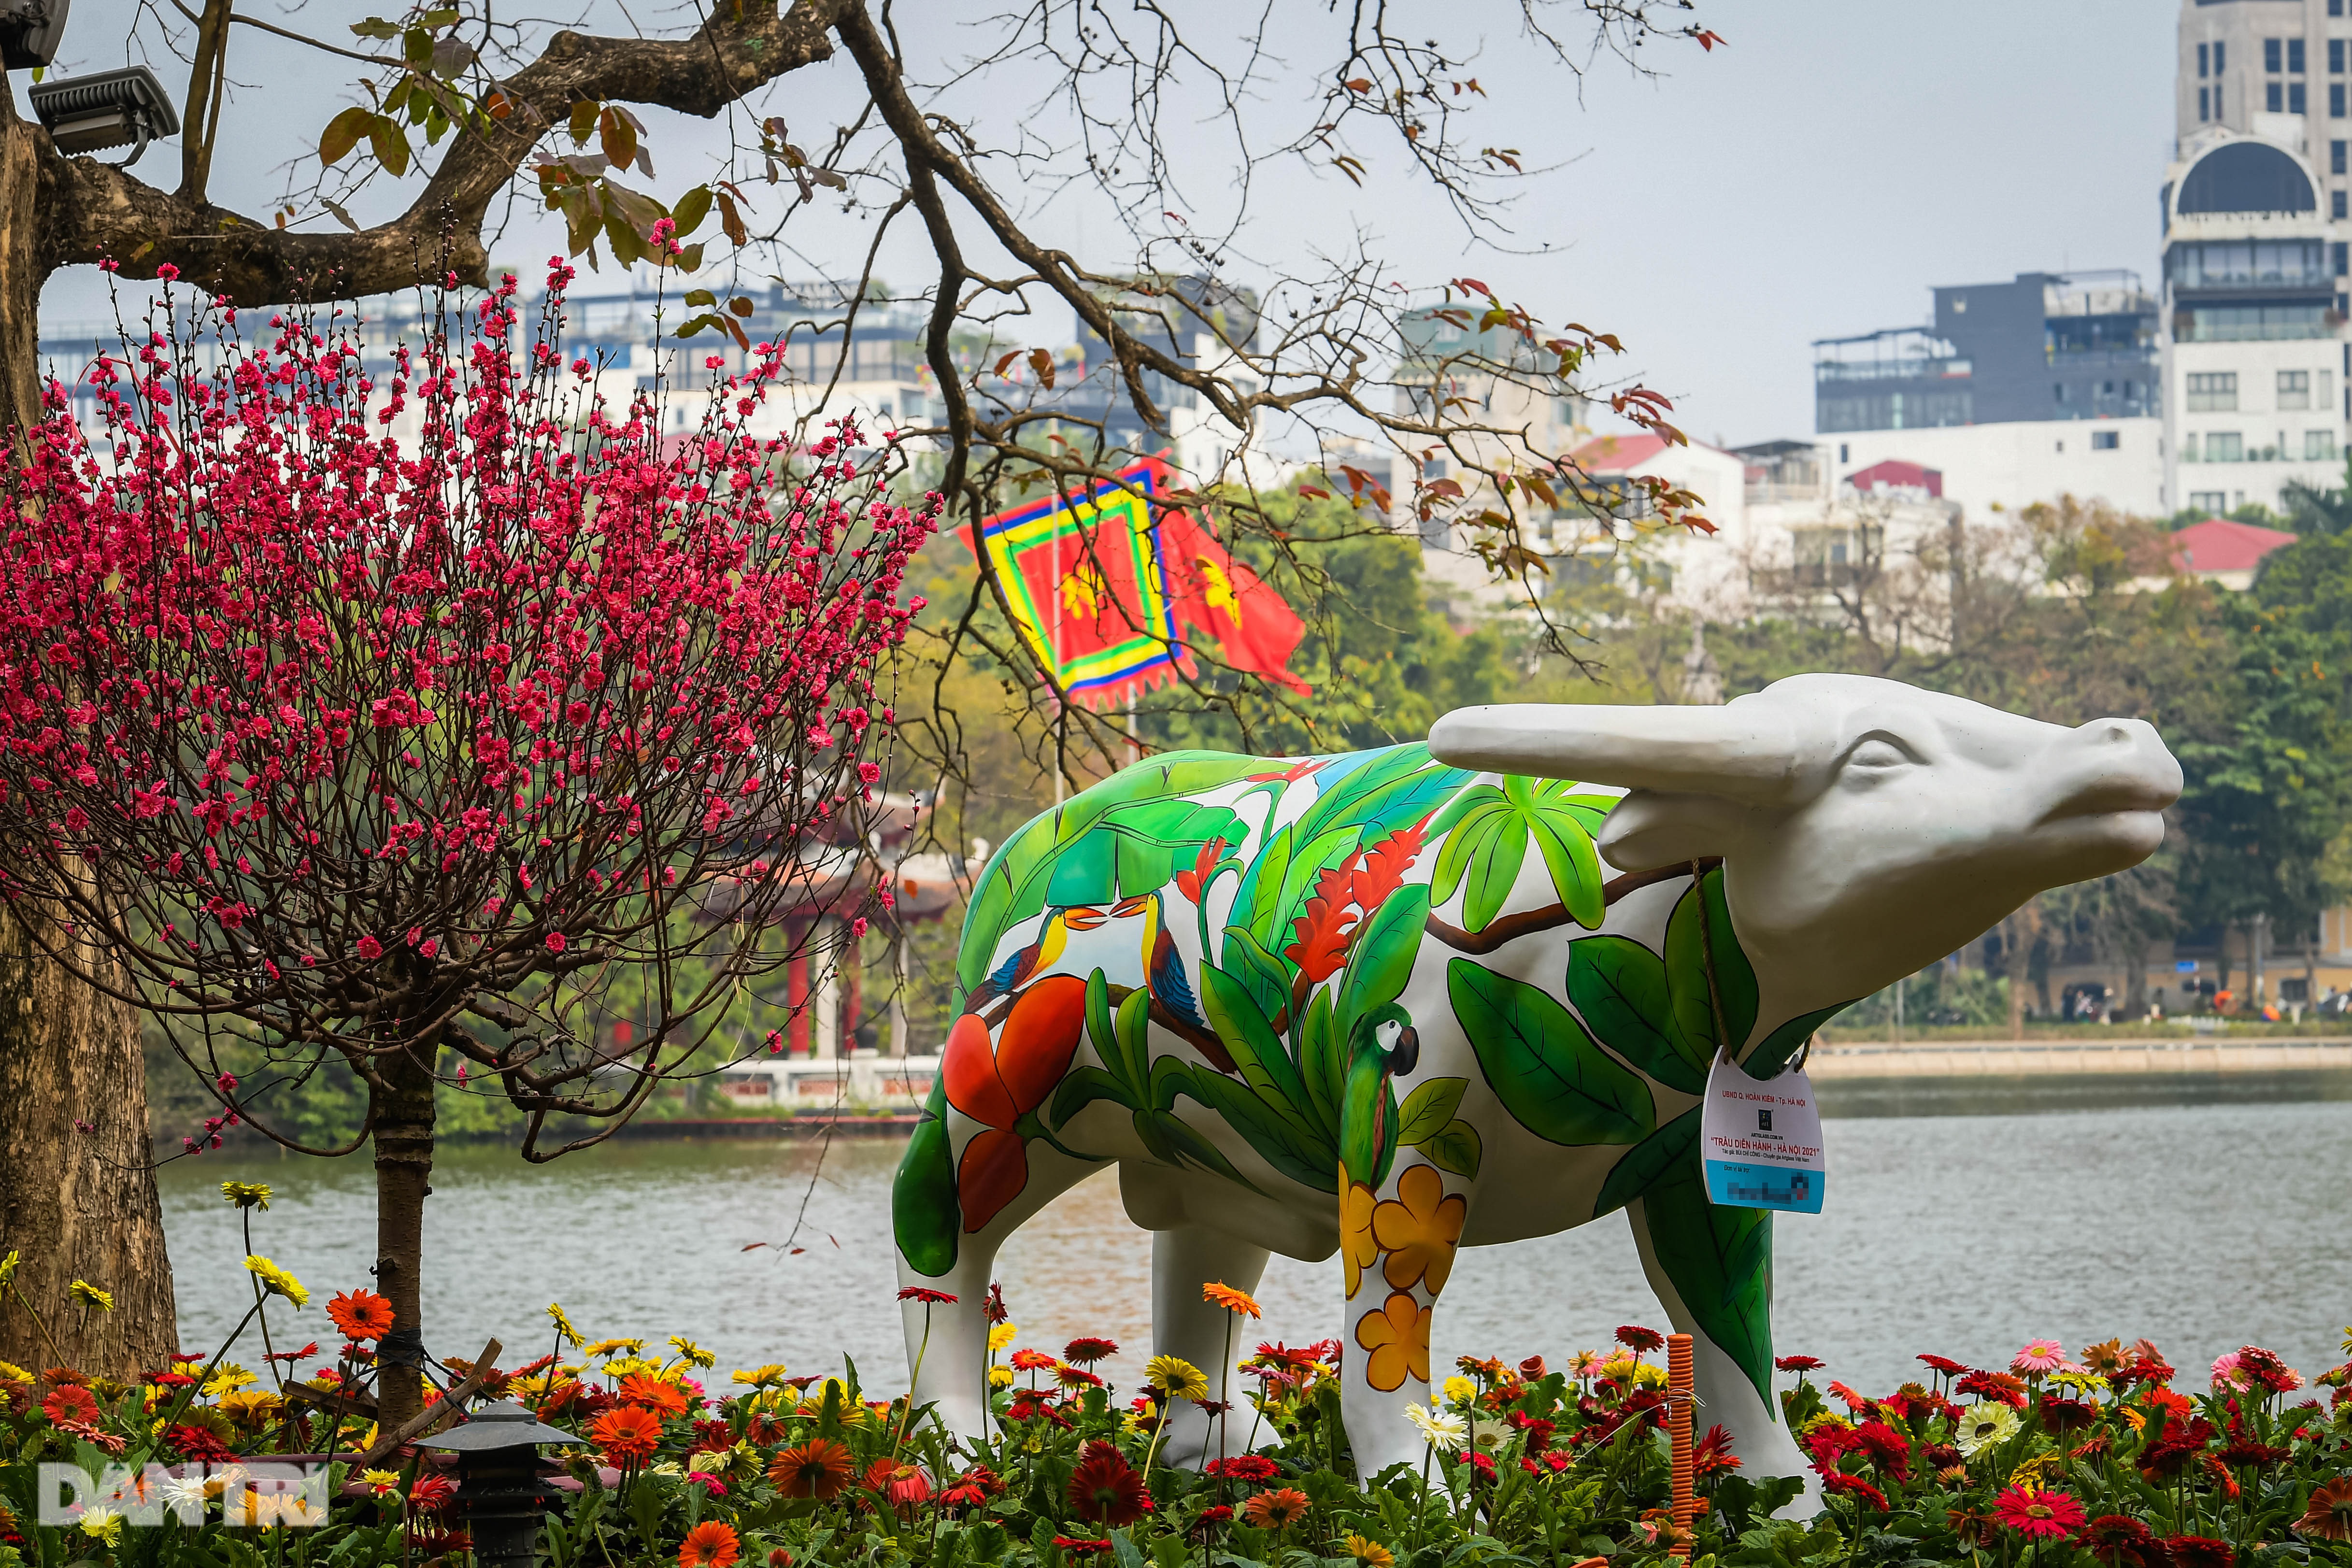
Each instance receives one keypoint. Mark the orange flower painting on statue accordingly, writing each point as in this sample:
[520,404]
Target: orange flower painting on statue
[997,1083]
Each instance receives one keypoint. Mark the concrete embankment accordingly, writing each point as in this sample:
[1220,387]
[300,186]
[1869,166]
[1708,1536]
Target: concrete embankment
[2075,1057]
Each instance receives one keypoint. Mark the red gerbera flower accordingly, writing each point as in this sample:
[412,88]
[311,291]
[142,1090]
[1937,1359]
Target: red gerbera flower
[1886,1448]
[1031,1361]
[928,1297]
[70,1401]
[1944,1364]
[1244,1467]
[1073,1544]
[901,1485]
[2038,1515]
[2007,1387]
[431,1494]
[2329,1517]
[1710,1455]
[1086,1351]
[818,1469]
[199,1442]
[2120,1541]
[2199,1551]
[1104,1489]
[1639,1341]
[1796,1363]
[1837,1483]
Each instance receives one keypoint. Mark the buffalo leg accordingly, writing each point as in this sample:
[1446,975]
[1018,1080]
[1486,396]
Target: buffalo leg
[1712,1269]
[1398,1249]
[1184,1324]
[947,1342]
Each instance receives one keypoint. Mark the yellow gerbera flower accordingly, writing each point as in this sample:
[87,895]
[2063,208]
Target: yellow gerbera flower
[1176,1377]
[693,1352]
[761,1376]
[275,1280]
[563,1328]
[1002,1335]
[11,1372]
[246,1195]
[607,1347]
[226,1377]
[1369,1553]
[90,1295]
[1000,1377]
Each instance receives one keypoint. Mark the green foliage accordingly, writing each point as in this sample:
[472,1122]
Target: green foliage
[1542,1065]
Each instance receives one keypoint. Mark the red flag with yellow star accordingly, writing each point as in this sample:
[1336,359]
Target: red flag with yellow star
[1217,596]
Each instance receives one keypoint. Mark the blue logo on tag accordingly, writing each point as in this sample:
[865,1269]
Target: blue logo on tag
[1743,1186]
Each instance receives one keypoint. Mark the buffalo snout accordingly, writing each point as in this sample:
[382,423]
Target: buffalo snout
[2111,766]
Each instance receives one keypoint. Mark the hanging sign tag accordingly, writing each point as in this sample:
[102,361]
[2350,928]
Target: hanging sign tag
[1760,1140]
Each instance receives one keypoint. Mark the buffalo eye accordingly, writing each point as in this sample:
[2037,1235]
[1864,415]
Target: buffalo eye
[1876,757]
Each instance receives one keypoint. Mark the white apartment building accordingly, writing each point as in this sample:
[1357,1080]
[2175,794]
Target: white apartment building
[2257,212]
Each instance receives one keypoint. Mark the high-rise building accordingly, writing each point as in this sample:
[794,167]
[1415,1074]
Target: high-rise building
[2255,229]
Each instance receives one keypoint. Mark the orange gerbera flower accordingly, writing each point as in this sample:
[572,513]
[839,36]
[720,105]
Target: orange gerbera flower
[710,1544]
[626,1434]
[1418,1229]
[1236,1301]
[1356,1243]
[1277,1510]
[362,1315]
[1397,1335]
[653,1393]
[818,1469]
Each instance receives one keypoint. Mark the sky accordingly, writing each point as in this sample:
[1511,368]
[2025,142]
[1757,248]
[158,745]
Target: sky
[1815,177]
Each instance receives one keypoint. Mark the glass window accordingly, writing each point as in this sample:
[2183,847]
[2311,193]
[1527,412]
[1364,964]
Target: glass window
[2189,447]
[2294,99]
[2104,440]
[2221,58]
[2202,51]
[2212,391]
[2318,445]
[2209,500]
[2294,56]
[2339,155]
[2273,53]
[2274,97]
[2335,100]
[2336,57]
[2338,256]
[2224,447]
[2202,113]
[2294,389]
[2337,206]
[2322,389]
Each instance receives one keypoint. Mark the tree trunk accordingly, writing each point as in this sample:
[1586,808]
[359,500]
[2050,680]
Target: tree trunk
[78,1206]
[403,1176]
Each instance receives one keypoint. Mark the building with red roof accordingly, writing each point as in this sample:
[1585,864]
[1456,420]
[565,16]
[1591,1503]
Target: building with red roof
[2225,553]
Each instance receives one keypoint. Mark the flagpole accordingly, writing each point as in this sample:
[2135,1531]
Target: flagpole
[1054,657]
[1134,740]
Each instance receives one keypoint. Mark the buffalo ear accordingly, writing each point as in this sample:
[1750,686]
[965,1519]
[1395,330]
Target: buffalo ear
[1649,829]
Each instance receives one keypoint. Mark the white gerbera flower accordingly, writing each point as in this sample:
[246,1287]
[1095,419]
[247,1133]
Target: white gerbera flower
[1440,1429]
[1983,1425]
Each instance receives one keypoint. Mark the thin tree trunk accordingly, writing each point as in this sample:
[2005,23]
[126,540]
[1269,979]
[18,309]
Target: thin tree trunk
[76,1206]
[404,1179]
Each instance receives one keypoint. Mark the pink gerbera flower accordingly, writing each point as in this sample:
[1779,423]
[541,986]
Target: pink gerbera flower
[2040,1355]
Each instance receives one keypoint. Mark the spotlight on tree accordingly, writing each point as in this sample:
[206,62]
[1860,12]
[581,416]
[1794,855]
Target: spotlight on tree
[29,31]
[84,113]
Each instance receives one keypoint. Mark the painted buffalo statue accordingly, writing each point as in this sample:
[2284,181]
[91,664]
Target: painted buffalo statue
[1398,1002]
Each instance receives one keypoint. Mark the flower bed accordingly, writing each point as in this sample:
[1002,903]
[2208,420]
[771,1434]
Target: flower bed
[2062,1460]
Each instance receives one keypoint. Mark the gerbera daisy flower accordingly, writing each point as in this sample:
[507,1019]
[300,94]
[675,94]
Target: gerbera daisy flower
[1711,1456]
[901,1485]
[361,1315]
[710,1544]
[2199,1551]
[1638,1340]
[2004,1387]
[1076,1378]
[654,1393]
[1982,1425]
[2120,1541]
[1942,1364]
[1837,1483]
[69,1402]
[1888,1450]
[1176,1377]
[1077,1544]
[1368,1552]
[2039,1356]
[1085,1351]
[431,1494]
[626,1434]
[1796,1363]
[1244,1467]
[818,1469]
[1277,1510]
[2038,1515]
[1031,1361]
[1104,1489]
[928,1297]
[2329,1517]
[1240,1303]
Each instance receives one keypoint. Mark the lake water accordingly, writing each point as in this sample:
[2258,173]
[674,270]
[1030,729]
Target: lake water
[1962,1219]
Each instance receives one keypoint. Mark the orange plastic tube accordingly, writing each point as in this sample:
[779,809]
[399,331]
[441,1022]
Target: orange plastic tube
[1678,1434]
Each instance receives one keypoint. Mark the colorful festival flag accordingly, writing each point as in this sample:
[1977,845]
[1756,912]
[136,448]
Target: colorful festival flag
[1102,583]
